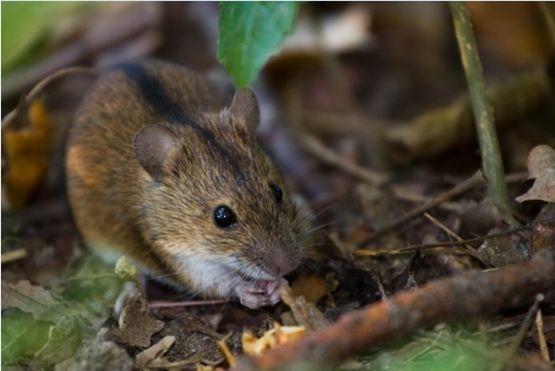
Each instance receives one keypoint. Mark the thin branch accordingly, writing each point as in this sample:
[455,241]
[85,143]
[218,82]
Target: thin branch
[492,162]
[425,246]
[460,188]
[41,85]
[182,304]
[521,334]
[462,297]
[544,350]
[447,230]
[330,157]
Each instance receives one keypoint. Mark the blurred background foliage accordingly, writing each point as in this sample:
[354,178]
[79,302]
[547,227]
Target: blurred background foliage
[28,28]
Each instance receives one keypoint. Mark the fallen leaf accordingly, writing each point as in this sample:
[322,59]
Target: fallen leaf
[312,288]
[27,149]
[157,350]
[272,338]
[541,166]
[136,327]
[26,297]
[193,338]
[305,314]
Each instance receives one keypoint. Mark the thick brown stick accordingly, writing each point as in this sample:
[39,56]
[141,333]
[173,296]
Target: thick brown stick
[458,298]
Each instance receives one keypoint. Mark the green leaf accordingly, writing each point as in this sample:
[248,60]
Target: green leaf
[249,33]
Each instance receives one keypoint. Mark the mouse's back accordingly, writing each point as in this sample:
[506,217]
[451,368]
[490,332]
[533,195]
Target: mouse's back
[101,168]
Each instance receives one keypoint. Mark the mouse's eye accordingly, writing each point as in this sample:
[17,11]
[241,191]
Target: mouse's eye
[224,217]
[278,193]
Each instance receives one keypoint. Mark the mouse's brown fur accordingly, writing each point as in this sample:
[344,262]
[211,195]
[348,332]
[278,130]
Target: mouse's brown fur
[152,152]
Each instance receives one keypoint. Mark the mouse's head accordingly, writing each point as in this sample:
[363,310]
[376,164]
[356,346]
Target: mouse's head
[214,199]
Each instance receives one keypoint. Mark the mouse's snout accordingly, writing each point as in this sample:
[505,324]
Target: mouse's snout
[284,263]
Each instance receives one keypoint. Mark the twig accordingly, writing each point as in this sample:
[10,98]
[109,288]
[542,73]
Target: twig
[460,188]
[14,255]
[458,298]
[447,230]
[521,334]
[315,147]
[492,162]
[41,85]
[424,246]
[194,303]
[541,337]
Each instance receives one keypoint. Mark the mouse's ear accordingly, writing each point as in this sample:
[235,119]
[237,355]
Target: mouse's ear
[245,106]
[153,146]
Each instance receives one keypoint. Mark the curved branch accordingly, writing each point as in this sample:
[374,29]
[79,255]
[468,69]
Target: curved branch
[458,298]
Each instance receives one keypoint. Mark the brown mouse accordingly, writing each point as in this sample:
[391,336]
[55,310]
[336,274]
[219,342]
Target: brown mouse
[161,168]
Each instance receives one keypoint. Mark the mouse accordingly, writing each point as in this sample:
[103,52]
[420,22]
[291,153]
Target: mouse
[165,169]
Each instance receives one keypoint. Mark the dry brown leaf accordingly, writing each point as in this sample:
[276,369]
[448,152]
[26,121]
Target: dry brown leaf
[313,288]
[157,350]
[305,314]
[26,152]
[26,297]
[277,336]
[541,166]
[136,327]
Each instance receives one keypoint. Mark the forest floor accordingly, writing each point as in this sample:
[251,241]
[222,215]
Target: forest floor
[413,266]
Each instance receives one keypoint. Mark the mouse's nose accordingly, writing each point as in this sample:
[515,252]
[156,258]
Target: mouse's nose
[284,263]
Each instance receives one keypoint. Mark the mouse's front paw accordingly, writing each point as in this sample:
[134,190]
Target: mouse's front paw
[256,294]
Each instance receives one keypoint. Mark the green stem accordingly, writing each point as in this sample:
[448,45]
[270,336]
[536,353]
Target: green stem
[492,163]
